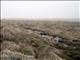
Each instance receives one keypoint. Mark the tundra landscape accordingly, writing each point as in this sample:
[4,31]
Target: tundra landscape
[39,40]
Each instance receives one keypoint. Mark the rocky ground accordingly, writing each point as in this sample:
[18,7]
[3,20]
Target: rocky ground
[39,40]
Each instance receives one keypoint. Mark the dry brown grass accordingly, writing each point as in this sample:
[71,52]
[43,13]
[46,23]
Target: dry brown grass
[24,37]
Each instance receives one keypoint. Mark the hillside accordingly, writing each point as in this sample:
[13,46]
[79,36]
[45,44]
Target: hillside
[39,40]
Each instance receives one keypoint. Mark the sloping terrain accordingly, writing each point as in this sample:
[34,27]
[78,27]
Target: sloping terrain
[39,40]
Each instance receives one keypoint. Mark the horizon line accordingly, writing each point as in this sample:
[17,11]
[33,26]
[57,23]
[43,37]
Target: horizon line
[39,18]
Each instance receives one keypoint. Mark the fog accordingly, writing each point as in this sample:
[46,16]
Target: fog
[40,9]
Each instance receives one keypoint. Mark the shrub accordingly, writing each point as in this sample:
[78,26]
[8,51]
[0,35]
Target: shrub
[27,51]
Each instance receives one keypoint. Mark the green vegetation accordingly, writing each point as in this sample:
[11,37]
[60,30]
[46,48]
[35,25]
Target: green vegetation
[27,51]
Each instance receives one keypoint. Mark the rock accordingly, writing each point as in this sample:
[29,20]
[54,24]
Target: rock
[57,40]
[9,55]
[44,33]
[10,45]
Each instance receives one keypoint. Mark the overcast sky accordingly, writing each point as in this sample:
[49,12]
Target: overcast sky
[40,9]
